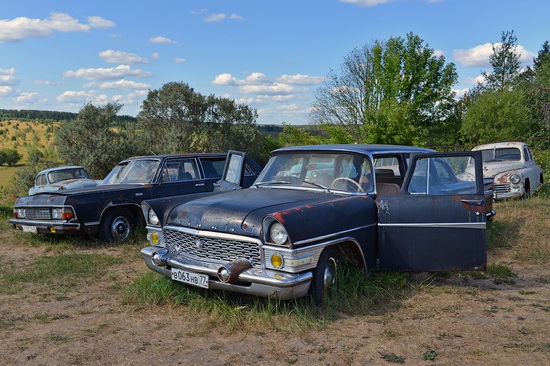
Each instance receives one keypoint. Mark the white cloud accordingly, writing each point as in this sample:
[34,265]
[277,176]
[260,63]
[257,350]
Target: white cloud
[72,96]
[438,53]
[479,55]
[118,72]
[6,91]
[225,79]
[218,17]
[269,89]
[124,84]
[365,3]
[27,98]
[180,60]
[18,29]
[7,77]
[161,39]
[299,79]
[459,93]
[155,55]
[119,57]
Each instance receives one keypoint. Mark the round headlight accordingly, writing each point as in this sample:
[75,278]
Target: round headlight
[153,218]
[515,179]
[278,233]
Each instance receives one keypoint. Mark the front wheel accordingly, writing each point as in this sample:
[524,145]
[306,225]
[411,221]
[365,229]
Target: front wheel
[117,225]
[324,275]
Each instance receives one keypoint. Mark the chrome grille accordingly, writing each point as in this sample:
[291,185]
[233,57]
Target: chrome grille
[38,213]
[501,188]
[211,249]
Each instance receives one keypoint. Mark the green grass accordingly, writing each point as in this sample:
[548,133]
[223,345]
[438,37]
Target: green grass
[59,271]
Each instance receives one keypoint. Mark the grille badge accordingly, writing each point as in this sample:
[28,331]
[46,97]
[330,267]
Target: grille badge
[199,243]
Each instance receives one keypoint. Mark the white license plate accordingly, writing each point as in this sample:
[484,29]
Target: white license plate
[28,229]
[192,278]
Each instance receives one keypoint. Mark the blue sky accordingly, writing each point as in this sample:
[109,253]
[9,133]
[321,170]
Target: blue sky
[271,55]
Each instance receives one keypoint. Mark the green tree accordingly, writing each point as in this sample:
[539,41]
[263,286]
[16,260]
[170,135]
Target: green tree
[503,108]
[536,84]
[95,139]
[396,91]
[11,157]
[180,120]
[497,115]
[505,62]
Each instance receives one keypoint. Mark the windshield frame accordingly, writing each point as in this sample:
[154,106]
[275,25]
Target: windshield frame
[318,171]
[128,172]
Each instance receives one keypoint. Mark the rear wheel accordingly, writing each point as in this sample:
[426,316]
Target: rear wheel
[117,225]
[324,275]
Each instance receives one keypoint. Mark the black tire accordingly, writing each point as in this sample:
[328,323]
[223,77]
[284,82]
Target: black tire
[324,275]
[117,225]
[526,190]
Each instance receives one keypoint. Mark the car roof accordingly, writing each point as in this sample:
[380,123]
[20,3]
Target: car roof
[49,170]
[165,156]
[368,149]
[494,145]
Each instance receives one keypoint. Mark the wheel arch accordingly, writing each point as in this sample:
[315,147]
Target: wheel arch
[134,209]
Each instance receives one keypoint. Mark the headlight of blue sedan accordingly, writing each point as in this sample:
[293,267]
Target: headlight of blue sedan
[515,178]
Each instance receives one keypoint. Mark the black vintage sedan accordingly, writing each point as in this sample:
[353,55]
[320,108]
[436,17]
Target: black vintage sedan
[111,210]
[374,206]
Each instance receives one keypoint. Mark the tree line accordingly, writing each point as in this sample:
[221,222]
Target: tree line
[395,91]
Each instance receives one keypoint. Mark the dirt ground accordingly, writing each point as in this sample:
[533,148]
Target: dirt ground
[462,322]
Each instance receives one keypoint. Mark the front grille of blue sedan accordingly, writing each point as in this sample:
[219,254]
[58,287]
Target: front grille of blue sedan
[501,188]
[181,244]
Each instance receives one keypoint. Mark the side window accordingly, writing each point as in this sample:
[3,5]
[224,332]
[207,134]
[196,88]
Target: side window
[527,154]
[40,180]
[180,170]
[442,176]
[213,168]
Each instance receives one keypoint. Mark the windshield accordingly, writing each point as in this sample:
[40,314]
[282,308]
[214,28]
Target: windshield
[134,171]
[505,153]
[341,172]
[65,174]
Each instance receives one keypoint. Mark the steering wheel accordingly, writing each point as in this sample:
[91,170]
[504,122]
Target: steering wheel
[356,185]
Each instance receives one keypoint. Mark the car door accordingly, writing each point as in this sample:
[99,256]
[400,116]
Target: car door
[438,221]
[180,176]
[233,172]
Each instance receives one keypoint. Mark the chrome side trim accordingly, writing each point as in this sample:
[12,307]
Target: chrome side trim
[450,225]
[333,234]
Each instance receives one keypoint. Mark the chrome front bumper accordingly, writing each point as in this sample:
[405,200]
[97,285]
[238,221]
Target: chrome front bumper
[253,281]
[47,226]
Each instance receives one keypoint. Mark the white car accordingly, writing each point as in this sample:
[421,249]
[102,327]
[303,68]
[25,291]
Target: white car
[63,177]
[512,167]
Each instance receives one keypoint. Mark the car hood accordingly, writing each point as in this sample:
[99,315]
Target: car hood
[242,212]
[490,169]
[65,196]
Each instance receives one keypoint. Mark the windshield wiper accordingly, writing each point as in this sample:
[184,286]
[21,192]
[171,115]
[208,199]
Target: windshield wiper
[272,182]
[326,189]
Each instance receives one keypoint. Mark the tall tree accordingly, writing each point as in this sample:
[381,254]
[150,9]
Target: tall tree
[94,140]
[499,109]
[505,62]
[398,91]
[179,120]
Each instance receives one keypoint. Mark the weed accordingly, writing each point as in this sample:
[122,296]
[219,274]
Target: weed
[499,270]
[391,357]
[429,355]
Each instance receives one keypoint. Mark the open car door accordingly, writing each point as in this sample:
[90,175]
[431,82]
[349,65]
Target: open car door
[438,221]
[233,172]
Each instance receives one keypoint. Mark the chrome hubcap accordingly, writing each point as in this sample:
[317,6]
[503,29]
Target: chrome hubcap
[120,228]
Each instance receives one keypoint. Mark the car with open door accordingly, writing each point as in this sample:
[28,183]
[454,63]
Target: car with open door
[111,210]
[379,207]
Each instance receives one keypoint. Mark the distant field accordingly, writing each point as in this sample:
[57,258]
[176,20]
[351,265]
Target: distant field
[22,135]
